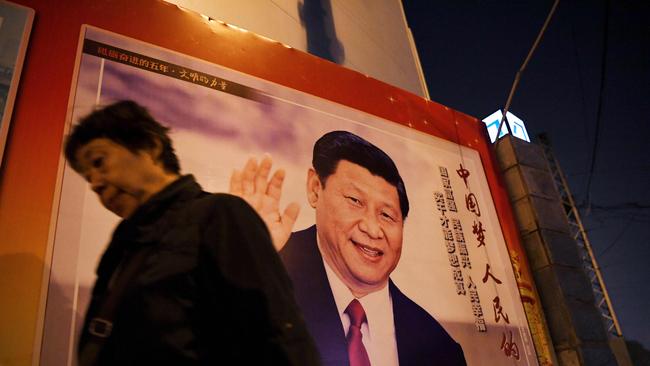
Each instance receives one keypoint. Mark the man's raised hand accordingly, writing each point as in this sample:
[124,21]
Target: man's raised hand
[263,194]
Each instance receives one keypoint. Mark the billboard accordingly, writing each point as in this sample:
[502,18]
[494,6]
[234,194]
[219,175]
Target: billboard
[453,264]
[15,27]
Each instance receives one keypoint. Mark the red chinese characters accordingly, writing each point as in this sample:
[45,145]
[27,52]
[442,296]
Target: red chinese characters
[478,230]
[509,347]
[489,274]
[498,311]
[472,204]
[464,174]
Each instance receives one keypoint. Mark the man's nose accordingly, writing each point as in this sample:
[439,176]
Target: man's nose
[95,181]
[370,225]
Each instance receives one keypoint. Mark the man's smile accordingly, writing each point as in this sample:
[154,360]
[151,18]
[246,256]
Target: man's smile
[367,250]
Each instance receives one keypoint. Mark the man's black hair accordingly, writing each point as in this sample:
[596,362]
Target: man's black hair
[128,124]
[342,145]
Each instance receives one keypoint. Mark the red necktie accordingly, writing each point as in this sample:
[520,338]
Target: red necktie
[356,351]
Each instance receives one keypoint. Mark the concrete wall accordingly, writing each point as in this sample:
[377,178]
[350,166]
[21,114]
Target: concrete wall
[371,37]
[575,324]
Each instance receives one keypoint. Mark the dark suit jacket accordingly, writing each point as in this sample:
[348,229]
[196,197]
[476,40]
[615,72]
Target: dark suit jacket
[420,338]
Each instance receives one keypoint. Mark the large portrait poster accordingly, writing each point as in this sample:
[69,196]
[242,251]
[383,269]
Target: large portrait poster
[15,27]
[454,263]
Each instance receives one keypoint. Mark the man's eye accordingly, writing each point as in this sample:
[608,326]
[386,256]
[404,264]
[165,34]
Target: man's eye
[353,200]
[97,162]
[387,216]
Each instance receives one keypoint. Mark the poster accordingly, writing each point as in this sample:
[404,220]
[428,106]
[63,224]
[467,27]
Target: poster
[454,263]
[15,27]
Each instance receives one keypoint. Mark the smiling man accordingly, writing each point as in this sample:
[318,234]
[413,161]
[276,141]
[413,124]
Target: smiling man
[189,277]
[341,266]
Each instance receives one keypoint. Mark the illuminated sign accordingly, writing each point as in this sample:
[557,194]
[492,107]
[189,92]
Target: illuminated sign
[516,126]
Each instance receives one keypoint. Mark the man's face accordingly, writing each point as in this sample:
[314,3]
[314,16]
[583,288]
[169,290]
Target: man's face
[122,179]
[359,225]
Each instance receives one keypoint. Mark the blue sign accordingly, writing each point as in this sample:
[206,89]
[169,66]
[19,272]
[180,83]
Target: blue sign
[516,126]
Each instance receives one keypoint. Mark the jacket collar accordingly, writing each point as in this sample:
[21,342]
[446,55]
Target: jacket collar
[180,190]
[144,226]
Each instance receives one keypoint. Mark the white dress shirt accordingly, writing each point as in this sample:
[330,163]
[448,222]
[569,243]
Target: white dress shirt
[378,334]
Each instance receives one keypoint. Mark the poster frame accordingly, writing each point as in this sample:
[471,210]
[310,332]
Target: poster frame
[20,46]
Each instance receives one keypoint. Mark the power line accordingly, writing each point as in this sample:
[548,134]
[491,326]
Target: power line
[619,206]
[641,169]
[599,115]
[630,221]
[580,80]
[618,237]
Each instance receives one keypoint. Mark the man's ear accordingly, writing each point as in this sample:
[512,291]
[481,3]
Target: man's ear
[155,151]
[314,187]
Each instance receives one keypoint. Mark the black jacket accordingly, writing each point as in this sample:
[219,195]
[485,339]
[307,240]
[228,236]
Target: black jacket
[211,290]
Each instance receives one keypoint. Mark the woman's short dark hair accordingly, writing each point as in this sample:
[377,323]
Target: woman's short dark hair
[128,124]
[343,145]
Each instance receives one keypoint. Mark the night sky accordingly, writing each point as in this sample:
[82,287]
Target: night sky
[470,51]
